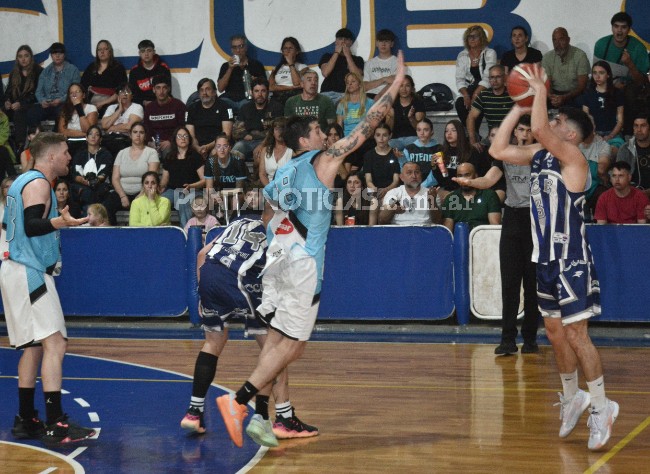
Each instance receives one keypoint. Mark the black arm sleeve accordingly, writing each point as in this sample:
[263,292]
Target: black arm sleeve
[35,225]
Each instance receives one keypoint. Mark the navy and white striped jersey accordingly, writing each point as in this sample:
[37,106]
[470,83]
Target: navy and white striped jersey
[241,247]
[557,217]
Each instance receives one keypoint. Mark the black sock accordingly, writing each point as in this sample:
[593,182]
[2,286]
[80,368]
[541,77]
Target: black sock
[53,410]
[246,393]
[26,403]
[204,371]
[262,406]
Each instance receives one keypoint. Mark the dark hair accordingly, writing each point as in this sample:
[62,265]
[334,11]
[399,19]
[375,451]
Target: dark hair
[150,173]
[622,17]
[294,42]
[146,44]
[173,148]
[269,141]
[43,141]
[135,124]
[580,119]
[16,75]
[610,98]
[297,127]
[203,81]
[112,62]
[344,33]
[123,86]
[409,79]
[524,120]
[362,216]
[259,81]
[522,28]
[463,146]
[641,114]
[95,127]
[427,121]
[621,165]
[385,35]
[383,125]
[68,109]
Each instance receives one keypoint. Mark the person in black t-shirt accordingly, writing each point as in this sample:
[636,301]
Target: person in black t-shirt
[208,117]
[335,66]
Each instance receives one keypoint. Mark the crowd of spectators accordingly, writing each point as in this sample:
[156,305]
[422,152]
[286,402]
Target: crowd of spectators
[122,128]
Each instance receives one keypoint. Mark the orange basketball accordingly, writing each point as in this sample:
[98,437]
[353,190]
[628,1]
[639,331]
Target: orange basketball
[519,88]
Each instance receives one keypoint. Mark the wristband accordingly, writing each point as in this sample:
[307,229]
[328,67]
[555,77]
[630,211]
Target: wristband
[80,110]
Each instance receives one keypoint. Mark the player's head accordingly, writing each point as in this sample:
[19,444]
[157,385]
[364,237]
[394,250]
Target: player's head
[574,124]
[303,133]
[51,149]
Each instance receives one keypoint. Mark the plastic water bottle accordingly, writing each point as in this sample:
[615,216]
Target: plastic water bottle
[247,80]
[156,141]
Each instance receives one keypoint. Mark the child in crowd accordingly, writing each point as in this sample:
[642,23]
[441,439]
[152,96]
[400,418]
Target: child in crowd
[97,216]
[200,216]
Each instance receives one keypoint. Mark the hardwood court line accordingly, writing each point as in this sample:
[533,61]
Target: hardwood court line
[620,445]
[78,468]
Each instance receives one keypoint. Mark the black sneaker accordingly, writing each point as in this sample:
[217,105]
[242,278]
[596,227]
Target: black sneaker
[530,348]
[287,428]
[28,428]
[506,348]
[63,431]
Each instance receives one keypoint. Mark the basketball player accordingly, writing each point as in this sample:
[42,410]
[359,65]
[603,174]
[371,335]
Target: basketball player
[230,287]
[300,196]
[32,308]
[567,286]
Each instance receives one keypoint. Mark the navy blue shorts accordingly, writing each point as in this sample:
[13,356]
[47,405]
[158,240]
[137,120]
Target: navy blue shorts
[225,297]
[568,289]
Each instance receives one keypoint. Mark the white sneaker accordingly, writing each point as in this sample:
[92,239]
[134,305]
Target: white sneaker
[600,425]
[261,431]
[571,410]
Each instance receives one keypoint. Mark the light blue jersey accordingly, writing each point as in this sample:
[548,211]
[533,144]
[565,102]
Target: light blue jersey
[39,254]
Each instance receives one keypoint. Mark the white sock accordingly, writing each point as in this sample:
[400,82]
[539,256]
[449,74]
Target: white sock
[196,402]
[597,393]
[569,384]
[285,410]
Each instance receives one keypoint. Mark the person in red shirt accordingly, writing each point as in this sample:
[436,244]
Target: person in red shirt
[622,203]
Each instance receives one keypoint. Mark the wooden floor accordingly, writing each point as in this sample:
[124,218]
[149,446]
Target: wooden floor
[426,407]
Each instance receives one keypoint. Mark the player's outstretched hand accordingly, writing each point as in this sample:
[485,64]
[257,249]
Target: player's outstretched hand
[69,221]
[401,68]
[536,77]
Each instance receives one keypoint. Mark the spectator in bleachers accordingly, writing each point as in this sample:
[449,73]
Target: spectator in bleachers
[7,157]
[493,104]
[379,71]
[471,205]
[163,115]
[626,55]
[567,68]
[310,102]
[407,111]
[119,118]
[274,151]
[182,173]
[53,86]
[604,103]
[380,165]
[622,203]
[636,152]
[455,149]
[599,157]
[129,166]
[422,150]
[335,66]
[284,81]
[256,117]
[97,216]
[353,105]
[231,74]
[20,94]
[103,77]
[142,74]
[76,118]
[411,203]
[522,52]
[208,117]
[26,162]
[92,168]
[64,198]
[472,69]
[334,132]
[224,171]
[150,209]
[356,206]
[200,216]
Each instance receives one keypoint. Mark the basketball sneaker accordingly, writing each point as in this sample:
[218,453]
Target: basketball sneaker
[261,431]
[506,348]
[193,421]
[63,431]
[24,428]
[287,428]
[600,425]
[571,410]
[233,416]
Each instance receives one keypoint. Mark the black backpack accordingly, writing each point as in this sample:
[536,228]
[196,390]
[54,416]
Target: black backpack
[437,97]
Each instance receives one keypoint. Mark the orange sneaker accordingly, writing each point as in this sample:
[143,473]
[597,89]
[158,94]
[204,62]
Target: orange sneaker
[233,416]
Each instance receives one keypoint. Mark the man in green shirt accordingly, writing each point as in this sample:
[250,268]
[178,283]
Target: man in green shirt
[310,102]
[471,205]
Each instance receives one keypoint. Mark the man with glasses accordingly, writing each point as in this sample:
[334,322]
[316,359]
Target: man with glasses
[163,116]
[208,117]
[149,66]
[231,74]
[494,104]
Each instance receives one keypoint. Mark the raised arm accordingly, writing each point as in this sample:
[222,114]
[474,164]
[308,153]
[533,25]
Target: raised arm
[327,163]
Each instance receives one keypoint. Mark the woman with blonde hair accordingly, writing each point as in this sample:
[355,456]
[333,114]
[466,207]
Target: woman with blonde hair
[98,216]
[353,105]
